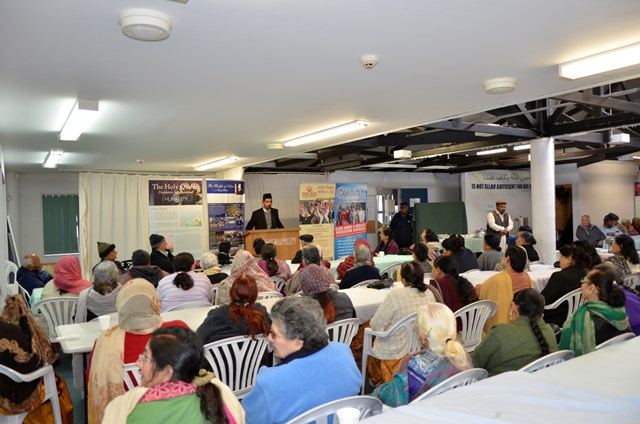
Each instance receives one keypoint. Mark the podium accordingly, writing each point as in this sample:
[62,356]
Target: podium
[285,239]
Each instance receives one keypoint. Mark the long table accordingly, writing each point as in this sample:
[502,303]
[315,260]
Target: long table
[539,274]
[600,387]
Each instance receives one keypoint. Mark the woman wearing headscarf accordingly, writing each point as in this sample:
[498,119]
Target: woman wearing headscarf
[68,280]
[243,263]
[138,316]
[316,283]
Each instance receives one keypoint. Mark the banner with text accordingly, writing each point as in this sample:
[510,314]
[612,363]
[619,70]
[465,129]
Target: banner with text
[225,205]
[316,215]
[350,209]
[176,212]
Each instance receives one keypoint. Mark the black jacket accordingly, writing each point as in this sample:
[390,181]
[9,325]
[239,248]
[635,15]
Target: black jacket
[259,222]
[561,283]
[165,263]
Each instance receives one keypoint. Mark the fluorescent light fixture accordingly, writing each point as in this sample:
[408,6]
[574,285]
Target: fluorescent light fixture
[216,163]
[393,165]
[52,159]
[434,167]
[601,62]
[490,152]
[619,138]
[84,112]
[636,157]
[522,147]
[330,132]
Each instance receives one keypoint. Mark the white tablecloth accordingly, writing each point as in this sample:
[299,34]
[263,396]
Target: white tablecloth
[539,274]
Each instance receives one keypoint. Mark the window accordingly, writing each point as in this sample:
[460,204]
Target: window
[61,223]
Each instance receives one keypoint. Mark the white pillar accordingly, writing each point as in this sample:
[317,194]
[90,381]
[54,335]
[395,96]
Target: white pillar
[543,209]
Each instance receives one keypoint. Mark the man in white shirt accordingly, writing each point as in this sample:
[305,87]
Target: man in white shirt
[500,223]
[609,227]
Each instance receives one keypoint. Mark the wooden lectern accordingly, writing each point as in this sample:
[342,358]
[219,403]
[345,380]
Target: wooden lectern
[285,239]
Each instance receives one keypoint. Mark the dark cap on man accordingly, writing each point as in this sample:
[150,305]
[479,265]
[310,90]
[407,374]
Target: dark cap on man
[155,240]
[308,238]
[266,196]
[105,248]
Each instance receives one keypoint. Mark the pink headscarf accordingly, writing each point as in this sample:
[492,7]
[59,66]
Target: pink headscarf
[243,263]
[68,276]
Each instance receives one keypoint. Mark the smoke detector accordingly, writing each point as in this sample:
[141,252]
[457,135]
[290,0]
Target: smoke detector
[500,85]
[369,61]
[146,24]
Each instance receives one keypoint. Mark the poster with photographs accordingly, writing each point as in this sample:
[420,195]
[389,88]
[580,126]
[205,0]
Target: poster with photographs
[225,206]
[176,212]
[350,216]
[316,215]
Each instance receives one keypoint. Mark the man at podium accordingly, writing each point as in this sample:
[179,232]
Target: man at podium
[265,218]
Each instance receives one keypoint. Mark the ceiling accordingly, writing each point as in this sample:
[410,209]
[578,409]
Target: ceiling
[237,75]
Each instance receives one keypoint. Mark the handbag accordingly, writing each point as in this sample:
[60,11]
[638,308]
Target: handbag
[384,283]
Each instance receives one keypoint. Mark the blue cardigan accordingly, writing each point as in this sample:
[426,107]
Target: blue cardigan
[284,392]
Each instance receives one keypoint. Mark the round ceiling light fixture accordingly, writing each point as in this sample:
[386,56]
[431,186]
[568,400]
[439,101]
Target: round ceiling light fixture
[500,85]
[146,24]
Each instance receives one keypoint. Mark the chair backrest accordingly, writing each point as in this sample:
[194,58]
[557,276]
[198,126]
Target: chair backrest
[11,272]
[573,299]
[268,295]
[617,339]
[368,406]
[343,331]
[215,293]
[364,283]
[548,360]
[50,388]
[632,280]
[463,378]
[473,317]
[279,282]
[392,270]
[57,311]
[236,361]
[25,294]
[131,376]
[188,305]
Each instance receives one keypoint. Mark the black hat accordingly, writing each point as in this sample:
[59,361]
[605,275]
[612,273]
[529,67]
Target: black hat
[611,216]
[105,248]
[266,196]
[155,240]
[306,238]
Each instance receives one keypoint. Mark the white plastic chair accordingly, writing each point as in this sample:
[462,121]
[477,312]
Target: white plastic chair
[406,325]
[131,376]
[573,299]
[632,280]
[548,361]
[279,282]
[215,293]
[368,406]
[25,295]
[474,316]
[617,339]
[343,331]
[236,360]
[463,378]
[57,311]
[268,295]
[11,276]
[50,391]
[364,283]
[188,305]
[392,270]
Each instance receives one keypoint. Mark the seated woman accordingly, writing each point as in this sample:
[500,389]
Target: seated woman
[316,283]
[492,253]
[362,270]
[625,256]
[398,304]
[456,291]
[242,317]
[210,268]
[243,263]
[387,245]
[526,240]
[224,257]
[509,347]
[601,316]
[310,255]
[443,356]
[420,254]
[138,316]
[574,264]
[589,250]
[184,285]
[350,260]
[68,280]
[465,258]
[313,370]
[501,287]
[101,298]
[174,389]
[271,265]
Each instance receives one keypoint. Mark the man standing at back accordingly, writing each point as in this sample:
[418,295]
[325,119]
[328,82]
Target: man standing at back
[31,275]
[401,227]
[500,223]
[266,217]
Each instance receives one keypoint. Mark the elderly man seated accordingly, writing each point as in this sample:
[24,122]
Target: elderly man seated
[31,275]
[362,270]
[586,231]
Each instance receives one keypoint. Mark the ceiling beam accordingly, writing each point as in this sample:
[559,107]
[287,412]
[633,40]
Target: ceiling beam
[588,98]
[594,124]
[455,125]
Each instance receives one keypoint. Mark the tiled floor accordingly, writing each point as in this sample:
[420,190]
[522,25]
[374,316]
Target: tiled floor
[63,368]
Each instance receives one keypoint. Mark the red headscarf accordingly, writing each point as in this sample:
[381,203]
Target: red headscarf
[68,276]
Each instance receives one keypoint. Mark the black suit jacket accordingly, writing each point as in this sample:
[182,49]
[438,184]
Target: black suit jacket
[259,222]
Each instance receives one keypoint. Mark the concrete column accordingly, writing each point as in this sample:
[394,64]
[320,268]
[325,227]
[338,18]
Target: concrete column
[543,208]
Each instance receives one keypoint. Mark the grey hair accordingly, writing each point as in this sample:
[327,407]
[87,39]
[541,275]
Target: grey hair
[301,318]
[208,260]
[362,254]
[527,237]
[27,261]
[311,254]
[105,277]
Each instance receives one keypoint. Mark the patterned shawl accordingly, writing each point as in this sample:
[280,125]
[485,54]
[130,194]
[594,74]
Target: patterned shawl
[244,263]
